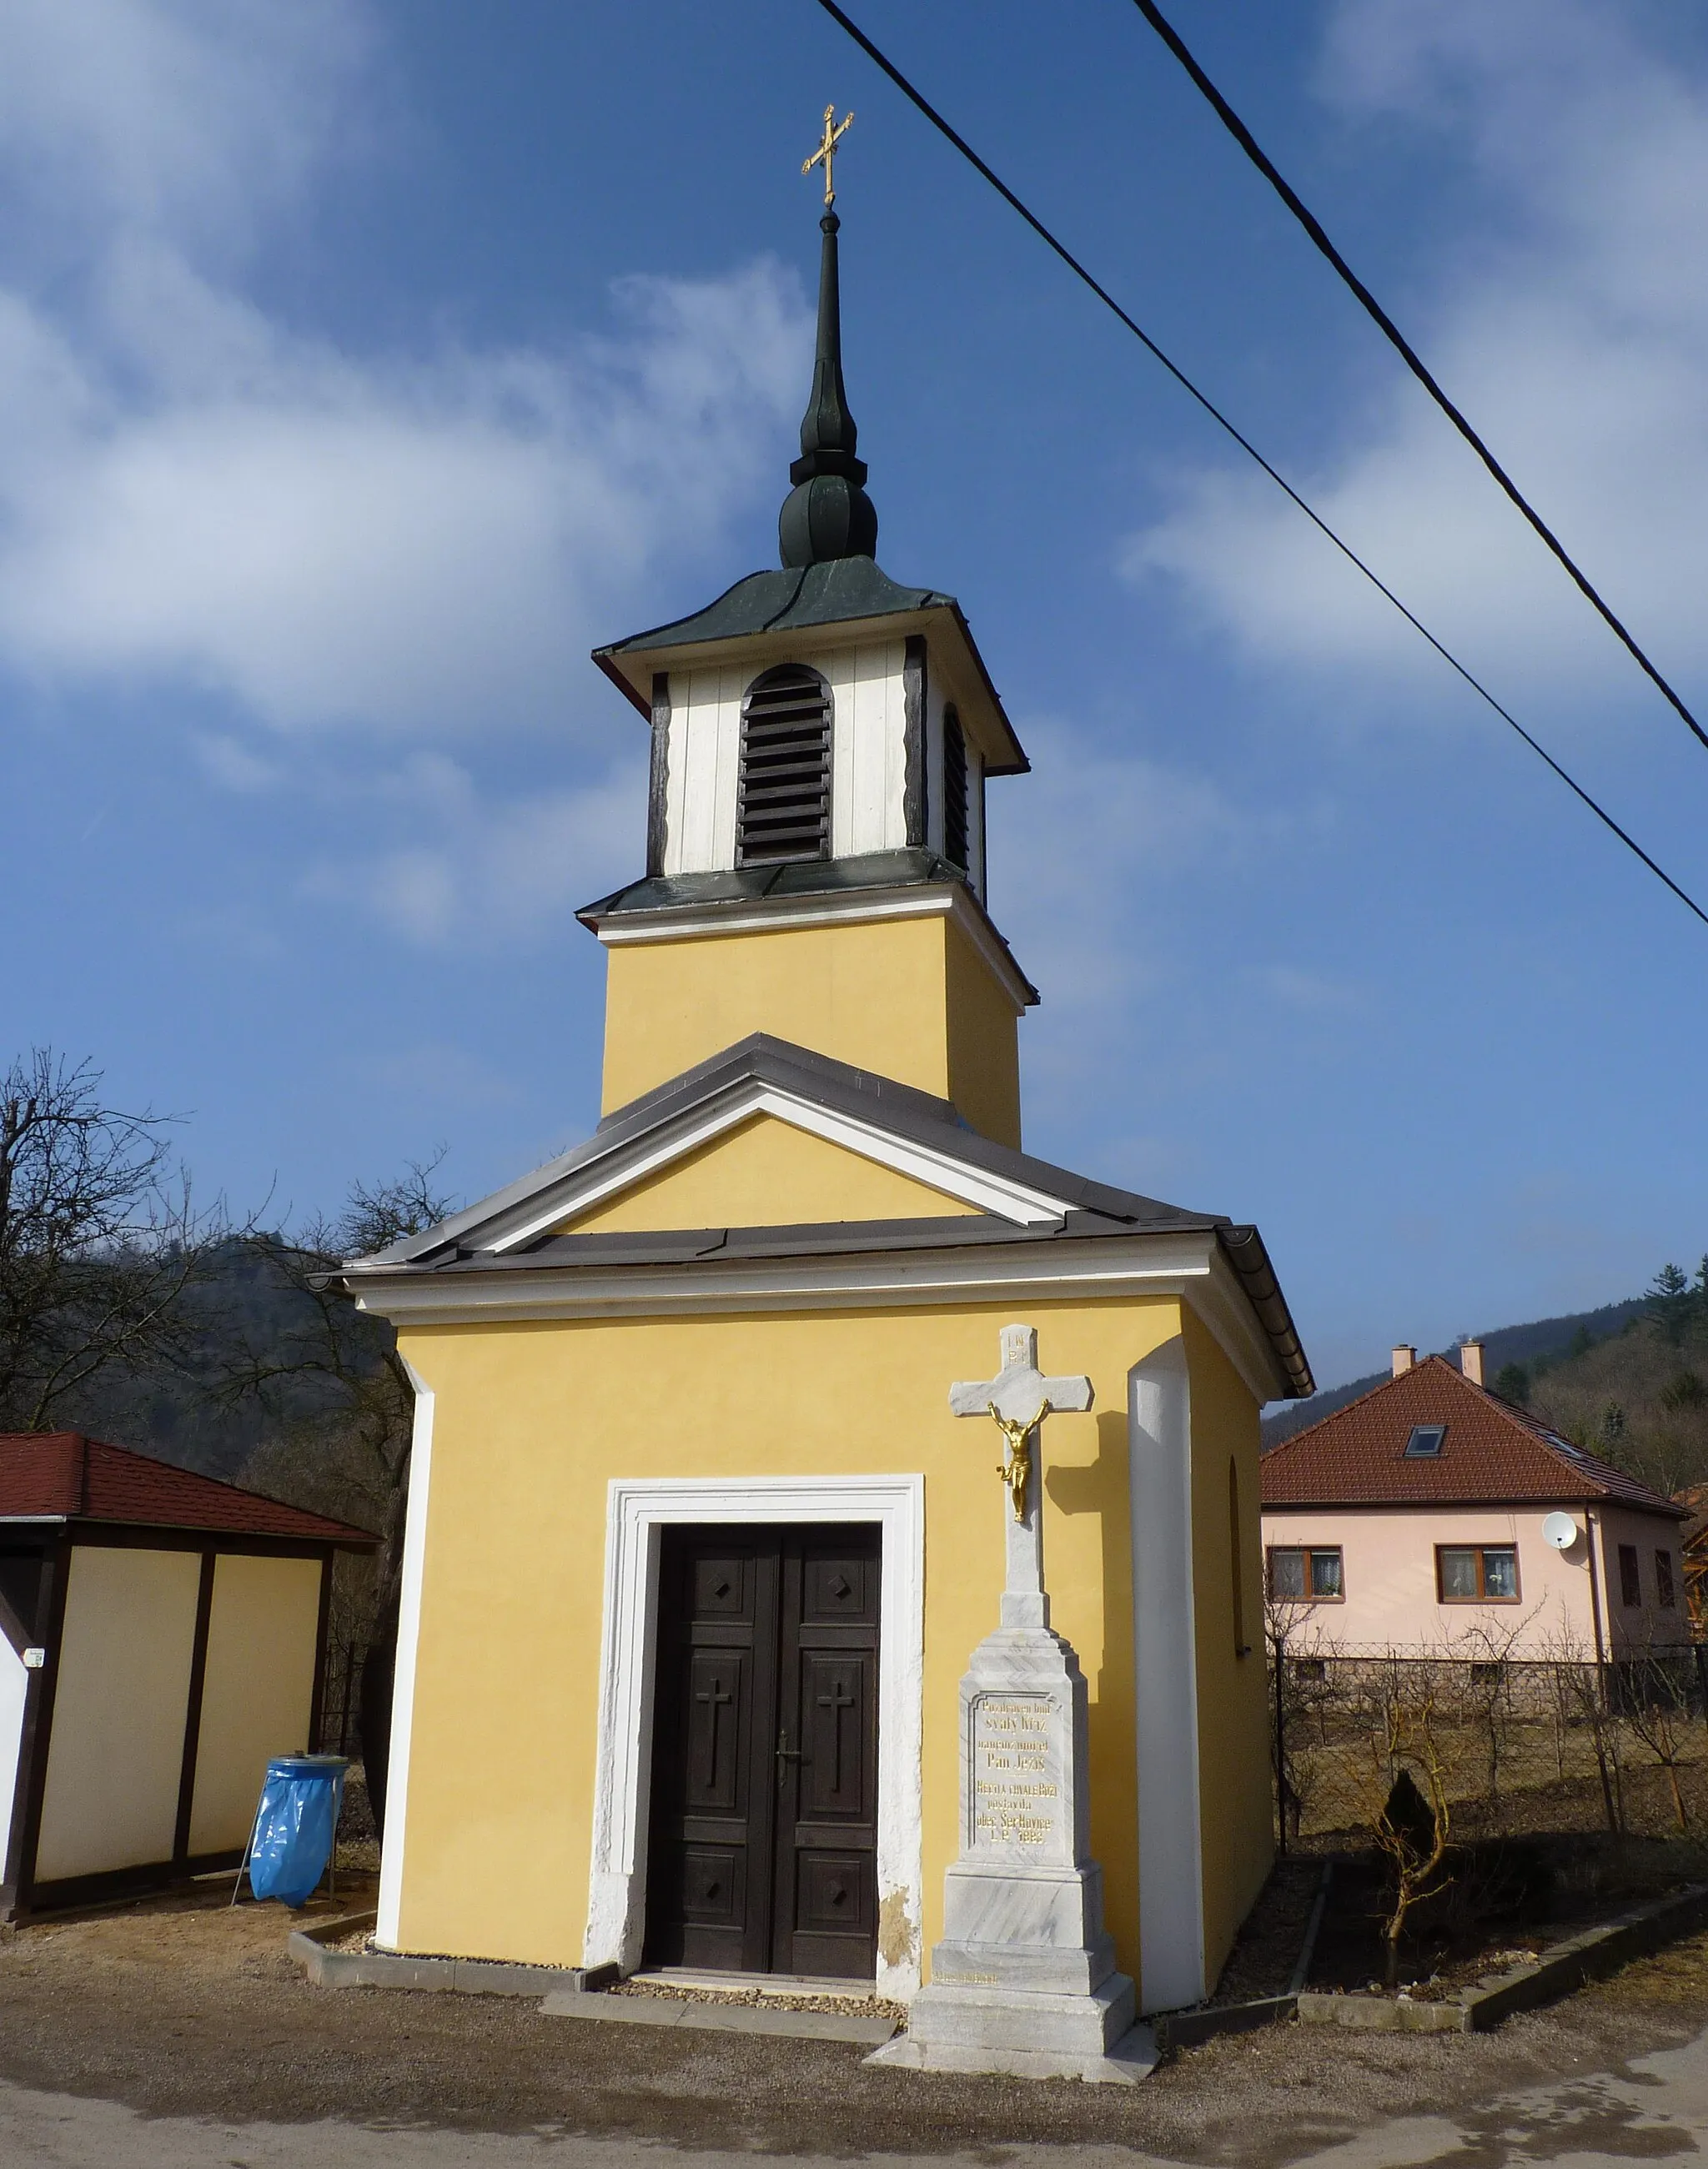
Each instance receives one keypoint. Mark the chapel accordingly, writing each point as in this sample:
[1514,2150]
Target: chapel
[697,1546]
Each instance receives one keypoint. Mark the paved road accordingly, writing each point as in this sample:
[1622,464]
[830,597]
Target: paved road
[1654,2109]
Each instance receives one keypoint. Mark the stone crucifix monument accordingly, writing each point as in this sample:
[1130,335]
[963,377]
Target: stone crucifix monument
[1024,1980]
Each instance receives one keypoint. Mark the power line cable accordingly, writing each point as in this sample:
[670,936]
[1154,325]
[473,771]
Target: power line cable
[917,99]
[1253,150]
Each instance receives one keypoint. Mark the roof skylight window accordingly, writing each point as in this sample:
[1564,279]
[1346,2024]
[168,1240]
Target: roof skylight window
[1425,1442]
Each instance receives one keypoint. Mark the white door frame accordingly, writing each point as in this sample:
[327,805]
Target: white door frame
[636,1511]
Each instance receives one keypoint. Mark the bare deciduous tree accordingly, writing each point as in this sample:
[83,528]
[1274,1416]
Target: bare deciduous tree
[350,1457]
[99,1240]
[1580,1682]
[1653,1701]
[1407,1736]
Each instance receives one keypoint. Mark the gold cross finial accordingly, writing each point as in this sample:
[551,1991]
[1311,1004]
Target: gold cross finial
[827,151]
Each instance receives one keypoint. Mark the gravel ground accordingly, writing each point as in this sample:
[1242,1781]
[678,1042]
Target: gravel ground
[181,2008]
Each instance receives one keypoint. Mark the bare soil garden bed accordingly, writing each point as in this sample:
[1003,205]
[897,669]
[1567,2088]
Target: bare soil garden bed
[1506,1899]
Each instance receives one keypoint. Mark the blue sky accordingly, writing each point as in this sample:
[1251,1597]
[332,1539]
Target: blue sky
[361,364]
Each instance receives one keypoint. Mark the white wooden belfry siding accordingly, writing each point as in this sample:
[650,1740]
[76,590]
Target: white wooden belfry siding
[975,818]
[704,761]
[868,755]
[869,760]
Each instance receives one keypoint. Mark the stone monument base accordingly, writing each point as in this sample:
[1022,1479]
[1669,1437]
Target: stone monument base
[1132,2057]
[1023,1982]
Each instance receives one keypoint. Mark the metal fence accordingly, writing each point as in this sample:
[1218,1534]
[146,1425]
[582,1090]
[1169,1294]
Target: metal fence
[340,1698]
[1503,1746]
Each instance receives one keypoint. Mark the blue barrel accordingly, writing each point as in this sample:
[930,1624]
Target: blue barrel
[296,1825]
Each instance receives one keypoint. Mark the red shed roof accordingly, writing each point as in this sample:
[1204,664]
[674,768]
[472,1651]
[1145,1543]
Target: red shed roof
[61,1474]
[1493,1454]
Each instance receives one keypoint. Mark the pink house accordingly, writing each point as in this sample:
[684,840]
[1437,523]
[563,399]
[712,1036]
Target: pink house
[1432,1516]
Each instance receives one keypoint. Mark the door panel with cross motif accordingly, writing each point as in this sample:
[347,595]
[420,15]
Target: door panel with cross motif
[765,1739]
[826,1898]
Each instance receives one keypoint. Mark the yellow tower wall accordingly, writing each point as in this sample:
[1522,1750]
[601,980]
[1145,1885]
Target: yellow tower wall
[908,998]
[532,1420]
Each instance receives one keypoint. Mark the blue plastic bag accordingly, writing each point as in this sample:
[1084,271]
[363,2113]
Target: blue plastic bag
[295,1826]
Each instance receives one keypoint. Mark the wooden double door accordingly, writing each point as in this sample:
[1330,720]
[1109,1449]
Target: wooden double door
[764,1838]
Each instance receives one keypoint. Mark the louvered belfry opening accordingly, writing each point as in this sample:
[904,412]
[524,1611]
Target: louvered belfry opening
[954,791]
[784,806]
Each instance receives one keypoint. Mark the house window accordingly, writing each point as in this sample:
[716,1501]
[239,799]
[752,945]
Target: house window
[1663,1579]
[1307,1574]
[1631,1579]
[782,808]
[954,791]
[1425,1442]
[1477,1574]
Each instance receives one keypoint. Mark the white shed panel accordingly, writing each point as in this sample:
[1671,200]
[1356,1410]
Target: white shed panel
[115,1760]
[258,1691]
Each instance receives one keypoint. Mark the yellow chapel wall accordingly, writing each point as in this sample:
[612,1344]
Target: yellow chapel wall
[1236,1815]
[763,1172]
[901,997]
[532,1420]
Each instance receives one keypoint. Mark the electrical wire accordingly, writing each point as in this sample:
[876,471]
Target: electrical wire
[1248,143]
[917,98]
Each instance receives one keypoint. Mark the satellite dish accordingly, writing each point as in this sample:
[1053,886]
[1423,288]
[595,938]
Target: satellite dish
[1560,1531]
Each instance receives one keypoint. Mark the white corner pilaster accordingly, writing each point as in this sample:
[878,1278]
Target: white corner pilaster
[1171,1854]
[394,1842]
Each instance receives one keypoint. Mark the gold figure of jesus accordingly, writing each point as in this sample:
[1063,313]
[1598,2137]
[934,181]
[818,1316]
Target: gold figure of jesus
[826,151]
[1017,1471]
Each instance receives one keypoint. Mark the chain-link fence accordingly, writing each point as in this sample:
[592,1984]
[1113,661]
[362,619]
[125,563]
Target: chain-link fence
[1508,1745]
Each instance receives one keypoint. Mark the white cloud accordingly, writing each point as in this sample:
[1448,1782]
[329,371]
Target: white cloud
[192,117]
[460,868]
[1085,850]
[1571,327]
[191,491]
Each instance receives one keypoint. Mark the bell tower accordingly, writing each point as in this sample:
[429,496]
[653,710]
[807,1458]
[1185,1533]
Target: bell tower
[815,869]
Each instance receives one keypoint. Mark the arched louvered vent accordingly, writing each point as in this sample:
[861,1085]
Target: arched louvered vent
[954,791]
[783,809]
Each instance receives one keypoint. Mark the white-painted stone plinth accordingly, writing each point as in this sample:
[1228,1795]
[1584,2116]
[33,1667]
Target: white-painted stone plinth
[1024,1980]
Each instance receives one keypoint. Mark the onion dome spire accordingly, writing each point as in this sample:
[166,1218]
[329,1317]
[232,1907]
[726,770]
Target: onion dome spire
[828,514]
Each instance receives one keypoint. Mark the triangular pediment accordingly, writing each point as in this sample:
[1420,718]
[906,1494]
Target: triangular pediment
[769,1135]
[592,1229]
[763,1171]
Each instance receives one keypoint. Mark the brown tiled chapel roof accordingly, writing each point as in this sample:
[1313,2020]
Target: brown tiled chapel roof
[53,1475]
[1493,1454]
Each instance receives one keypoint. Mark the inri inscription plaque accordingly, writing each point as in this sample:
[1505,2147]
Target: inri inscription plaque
[1016,1789]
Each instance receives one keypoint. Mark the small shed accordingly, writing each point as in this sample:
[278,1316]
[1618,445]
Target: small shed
[161,1636]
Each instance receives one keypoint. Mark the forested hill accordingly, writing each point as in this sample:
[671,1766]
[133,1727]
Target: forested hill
[1544,1337]
[1628,1382]
[190,1414]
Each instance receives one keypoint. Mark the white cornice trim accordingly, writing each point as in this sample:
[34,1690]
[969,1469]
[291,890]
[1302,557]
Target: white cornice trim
[939,1171]
[946,899]
[1189,1266]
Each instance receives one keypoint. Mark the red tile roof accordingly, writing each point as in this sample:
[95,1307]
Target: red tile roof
[53,1474]
[1493,1454]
